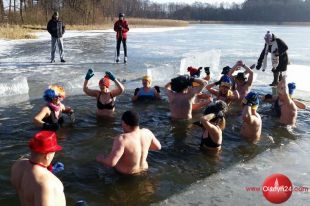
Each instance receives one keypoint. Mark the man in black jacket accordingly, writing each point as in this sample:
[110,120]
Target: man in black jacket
[56,28]
[279,58]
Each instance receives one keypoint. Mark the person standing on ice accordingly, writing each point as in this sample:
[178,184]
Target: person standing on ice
[279,58]
[56,28]
[121,28]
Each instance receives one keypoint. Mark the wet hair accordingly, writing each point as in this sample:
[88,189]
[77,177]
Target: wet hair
[268,97]
[179,83]
[131,118]
[219,108]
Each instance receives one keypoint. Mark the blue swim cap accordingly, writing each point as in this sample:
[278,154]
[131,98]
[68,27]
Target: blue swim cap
[252,97]
[291,88]
[226,80]
[49,95]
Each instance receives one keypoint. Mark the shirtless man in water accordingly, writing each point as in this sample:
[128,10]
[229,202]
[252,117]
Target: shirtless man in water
[288,108]
[130,149]
[34,183]
[243,84]
[252,123]
[181,95]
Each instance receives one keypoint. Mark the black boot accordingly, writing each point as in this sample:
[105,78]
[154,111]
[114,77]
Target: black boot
[276,75]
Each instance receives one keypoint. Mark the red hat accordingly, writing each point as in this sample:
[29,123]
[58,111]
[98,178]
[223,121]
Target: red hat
[192,70]
[105,81]
[44,142]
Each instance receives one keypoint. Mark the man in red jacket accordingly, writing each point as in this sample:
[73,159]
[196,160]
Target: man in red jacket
[121,28]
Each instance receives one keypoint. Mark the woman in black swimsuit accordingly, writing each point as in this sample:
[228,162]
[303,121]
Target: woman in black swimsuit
[50,116]
[213,123]
[105,97]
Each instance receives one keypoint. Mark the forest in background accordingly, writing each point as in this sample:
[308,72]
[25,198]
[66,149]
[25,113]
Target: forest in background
[87,12]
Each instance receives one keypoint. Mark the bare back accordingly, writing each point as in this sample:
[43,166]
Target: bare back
[36,186]
[136,145]
[181,103]
[252,129]
[288,112]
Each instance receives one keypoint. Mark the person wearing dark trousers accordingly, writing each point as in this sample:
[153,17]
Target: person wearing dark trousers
[121,28]
[279,57]
[56,28]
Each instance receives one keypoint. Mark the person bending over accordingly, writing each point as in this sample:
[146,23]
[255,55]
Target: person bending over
[50,116]
[252,123]
[105,97]
[146,92]
[34,183]
[181,95]
[130,149]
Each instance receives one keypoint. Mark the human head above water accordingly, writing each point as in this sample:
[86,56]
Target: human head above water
[104,82]
[44,142]
[54,91]
[130,118]
[180,83]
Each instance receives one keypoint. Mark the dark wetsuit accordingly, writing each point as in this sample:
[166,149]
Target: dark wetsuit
[208,142]
[52,118]
[109,105]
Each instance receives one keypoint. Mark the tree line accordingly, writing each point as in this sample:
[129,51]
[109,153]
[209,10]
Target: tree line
[85,12]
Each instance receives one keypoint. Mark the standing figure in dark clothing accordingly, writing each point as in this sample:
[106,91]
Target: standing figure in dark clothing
[279,57]
[121,28]
[56,28]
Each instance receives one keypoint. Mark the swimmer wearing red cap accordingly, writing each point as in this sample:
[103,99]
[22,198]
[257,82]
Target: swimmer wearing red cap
[105,97]
[34,183]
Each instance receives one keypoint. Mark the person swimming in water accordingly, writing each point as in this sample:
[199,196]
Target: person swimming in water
[252,123]
[146,92]
[50,116]
[34,183]
[181,95]
[225,92]
[213,123]
[105,97]
[242,83]
[131,148]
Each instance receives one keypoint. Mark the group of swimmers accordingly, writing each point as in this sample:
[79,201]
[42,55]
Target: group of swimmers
[36,185]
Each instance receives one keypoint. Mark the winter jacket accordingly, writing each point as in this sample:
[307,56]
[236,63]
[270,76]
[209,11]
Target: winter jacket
[56,28]
[283,58]
[121,28]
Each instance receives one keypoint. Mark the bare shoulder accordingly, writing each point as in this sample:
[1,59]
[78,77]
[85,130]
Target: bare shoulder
[146,131]
[19,164]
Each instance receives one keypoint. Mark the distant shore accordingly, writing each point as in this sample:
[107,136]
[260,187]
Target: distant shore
[252,23]
[11,32]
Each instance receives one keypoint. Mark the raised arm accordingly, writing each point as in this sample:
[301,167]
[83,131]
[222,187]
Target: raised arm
[236,67]
[250,72]
[89,92]
[209,87]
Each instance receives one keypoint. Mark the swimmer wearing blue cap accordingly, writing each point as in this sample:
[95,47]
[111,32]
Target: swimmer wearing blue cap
[252,123]
[225,92]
